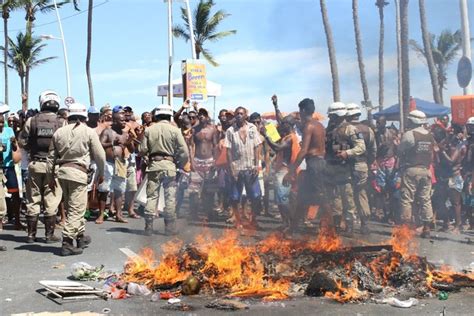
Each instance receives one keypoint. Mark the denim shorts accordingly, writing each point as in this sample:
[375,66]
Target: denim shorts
[249,181]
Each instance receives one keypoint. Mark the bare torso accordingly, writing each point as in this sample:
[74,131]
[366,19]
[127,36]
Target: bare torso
[204,141]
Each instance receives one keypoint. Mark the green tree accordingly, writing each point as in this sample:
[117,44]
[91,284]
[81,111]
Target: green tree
[381,4]
[444,49]
[6,7]
[32,7]
[204,27]
[331,52]
[23,55]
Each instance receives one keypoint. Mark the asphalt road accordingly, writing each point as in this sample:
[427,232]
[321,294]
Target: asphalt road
[23,265]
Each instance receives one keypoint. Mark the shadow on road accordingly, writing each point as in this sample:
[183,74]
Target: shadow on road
[56,250]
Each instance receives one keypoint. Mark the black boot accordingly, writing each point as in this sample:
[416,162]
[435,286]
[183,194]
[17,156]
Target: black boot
[349,231]
[337,223]
[83,241]
[49,224]
[32,224]
[148,225]
[364,227]
[68,248]
[170,228]
[426,231]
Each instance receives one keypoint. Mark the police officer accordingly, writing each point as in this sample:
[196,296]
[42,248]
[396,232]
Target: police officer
[416,155]
[166,150]
[35,138]
[343,143]
[360,166]
[71,150]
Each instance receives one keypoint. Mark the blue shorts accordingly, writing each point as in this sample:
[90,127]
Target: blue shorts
[247,180]
[282,192]
[12,180]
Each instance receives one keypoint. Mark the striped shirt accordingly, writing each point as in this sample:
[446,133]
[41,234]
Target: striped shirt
[243,153]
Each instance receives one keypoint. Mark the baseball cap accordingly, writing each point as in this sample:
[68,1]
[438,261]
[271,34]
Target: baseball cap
[127,108]
[104,109]
[203,110]
[117,108]
[93,110]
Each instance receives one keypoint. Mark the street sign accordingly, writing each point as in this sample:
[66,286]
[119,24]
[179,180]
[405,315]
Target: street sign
[194,80]
[68,101]
[464,73]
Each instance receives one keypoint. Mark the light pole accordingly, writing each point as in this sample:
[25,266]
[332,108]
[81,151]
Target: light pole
[66,63]
[170,44]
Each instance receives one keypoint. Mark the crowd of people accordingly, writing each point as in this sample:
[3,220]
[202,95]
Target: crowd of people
[63,163]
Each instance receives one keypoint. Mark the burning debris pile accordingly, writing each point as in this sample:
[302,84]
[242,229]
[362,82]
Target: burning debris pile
[277,268]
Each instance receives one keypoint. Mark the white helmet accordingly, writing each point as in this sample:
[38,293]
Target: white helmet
[337,108]
[417,117]
[164,109]
[78,109]
[353,109]
[470,121]
[4,108]
[49,99]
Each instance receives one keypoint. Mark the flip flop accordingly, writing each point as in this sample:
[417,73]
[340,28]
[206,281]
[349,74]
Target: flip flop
[121,220]
[136,216]
[97,221]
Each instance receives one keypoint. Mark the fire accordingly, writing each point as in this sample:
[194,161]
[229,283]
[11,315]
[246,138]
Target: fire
[326,241]
[144,268]
[403,241]
[344,295]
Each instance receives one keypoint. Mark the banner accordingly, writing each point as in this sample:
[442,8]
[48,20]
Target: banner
[194,80]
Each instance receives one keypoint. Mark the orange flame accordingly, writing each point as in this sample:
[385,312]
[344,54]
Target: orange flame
[349,294]
[144,268]
[403,241]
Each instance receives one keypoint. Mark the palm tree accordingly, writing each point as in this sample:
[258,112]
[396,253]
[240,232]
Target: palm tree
[428,53]
[332,52]
[444,49]
[204,27]
[32,7]
[23,55]
[381,4]
[360,58]
[405,62]
[7,6]
[89,51]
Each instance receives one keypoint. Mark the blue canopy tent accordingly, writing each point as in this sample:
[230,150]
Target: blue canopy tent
[431,109]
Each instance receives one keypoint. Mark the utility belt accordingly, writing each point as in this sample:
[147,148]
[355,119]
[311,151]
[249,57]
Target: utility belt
[160,157]
[75,166]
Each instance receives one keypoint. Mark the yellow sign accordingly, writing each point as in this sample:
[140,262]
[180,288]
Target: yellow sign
[194,81]
[272,132]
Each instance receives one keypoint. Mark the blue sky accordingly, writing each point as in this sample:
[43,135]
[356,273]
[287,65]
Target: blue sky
[280,47]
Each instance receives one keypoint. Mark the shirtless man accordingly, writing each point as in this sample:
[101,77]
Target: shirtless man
[134,130]
[105,121]
[117,145]
[287,149]
[204,142]
[312,192]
